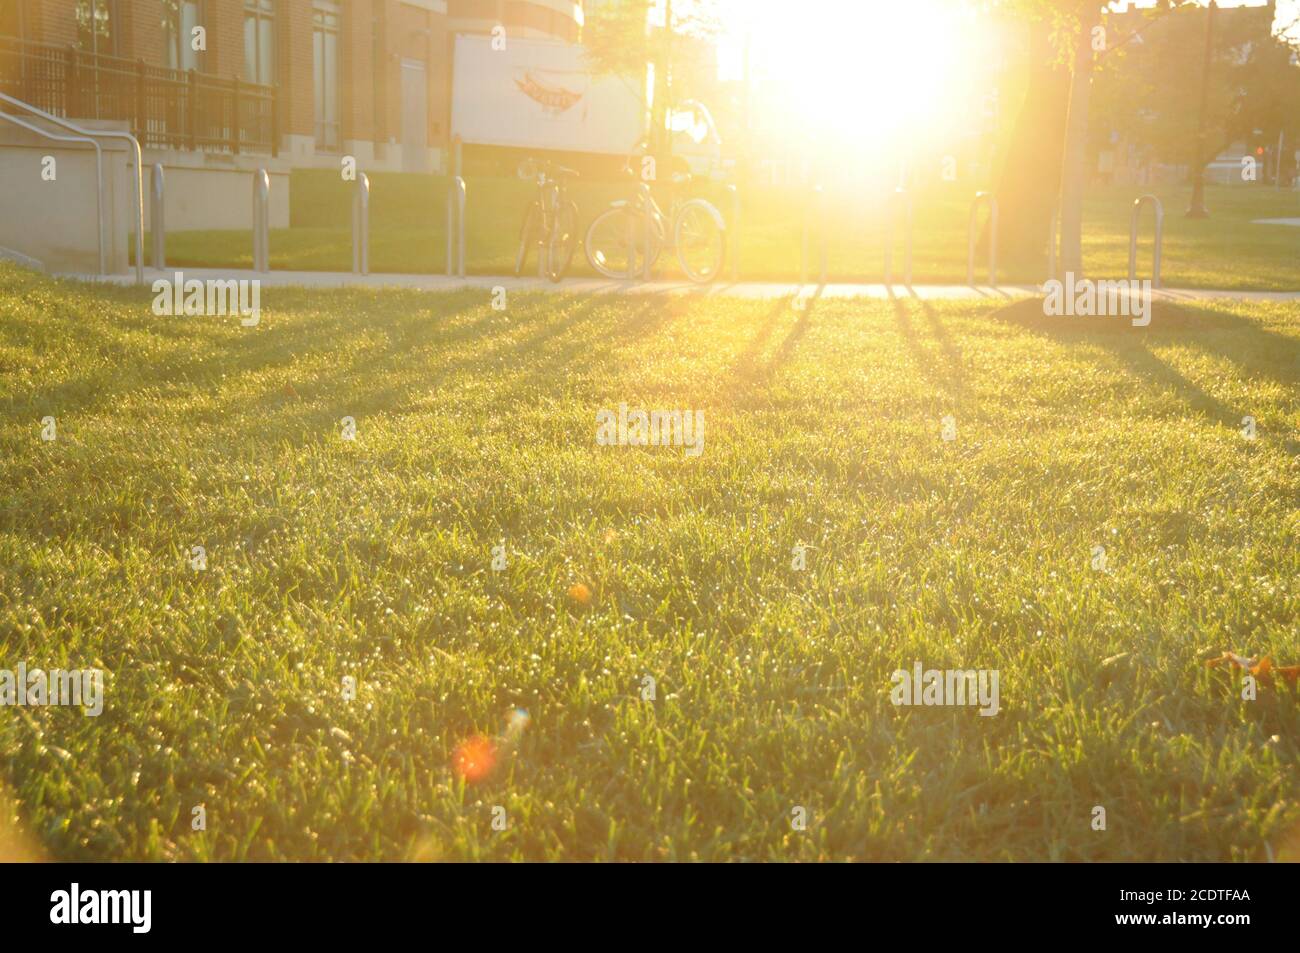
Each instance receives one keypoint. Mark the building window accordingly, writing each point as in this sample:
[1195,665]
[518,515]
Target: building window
[325,73]
[179,19]
[11,18]
[97,26]
[259,41]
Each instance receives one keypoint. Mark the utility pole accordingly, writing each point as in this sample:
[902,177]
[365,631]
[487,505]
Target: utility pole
[1277,164]
[664,159]
[1197,209]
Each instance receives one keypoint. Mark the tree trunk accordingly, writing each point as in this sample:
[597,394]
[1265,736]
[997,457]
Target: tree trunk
[1074,171]
[1029,183]
[661,138]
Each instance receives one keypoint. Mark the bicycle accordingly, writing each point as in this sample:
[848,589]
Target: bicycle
[616,240]
[551,222]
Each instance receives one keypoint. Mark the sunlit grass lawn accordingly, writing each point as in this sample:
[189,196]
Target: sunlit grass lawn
[408,228]
[372,559]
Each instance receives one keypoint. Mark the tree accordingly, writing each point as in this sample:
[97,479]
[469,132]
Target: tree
[663,41]
[1081,40]
[1251,96]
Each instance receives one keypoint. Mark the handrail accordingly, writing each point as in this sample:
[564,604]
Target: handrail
[901,197]
[261,221]
[1133,237]
[99,173]
[981,197]
[361,226]
[158,216]
[456,212]
[819,213]
[139,172]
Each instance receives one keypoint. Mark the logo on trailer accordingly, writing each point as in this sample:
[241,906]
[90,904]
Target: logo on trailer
[554,99]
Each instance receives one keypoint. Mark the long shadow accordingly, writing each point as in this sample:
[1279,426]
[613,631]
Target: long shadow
[1253,348]
[952,353]
[277,344]
[386,379]
[747,362]
[801,326]
[946,374]
[597,342]
[749,373]
[1175,324]
[391,383]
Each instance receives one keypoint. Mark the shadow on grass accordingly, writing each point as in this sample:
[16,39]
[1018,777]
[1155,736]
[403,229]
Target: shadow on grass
[750,373]
[944,372]
[212,351]
[1253,348]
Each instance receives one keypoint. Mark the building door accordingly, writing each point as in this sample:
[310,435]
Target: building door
[415,117]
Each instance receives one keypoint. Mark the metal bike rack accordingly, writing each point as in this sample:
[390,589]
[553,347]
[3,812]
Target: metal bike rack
[819,215]
[980,198]
[261,221]
[456,227]
[901,202]
[157,216]
[361,226]
[107,134]
[734,229]
[647,206]
[1133,237]
[99,171]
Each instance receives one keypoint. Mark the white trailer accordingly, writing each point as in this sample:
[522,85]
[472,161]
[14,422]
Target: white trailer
[537,94]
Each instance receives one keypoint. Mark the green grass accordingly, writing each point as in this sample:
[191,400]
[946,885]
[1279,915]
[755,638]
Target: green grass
[408,219]
[372,558]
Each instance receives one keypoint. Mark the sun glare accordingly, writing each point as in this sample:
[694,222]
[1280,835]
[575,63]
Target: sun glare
[845,75]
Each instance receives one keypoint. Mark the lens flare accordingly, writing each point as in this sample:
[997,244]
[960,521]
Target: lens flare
[474,758]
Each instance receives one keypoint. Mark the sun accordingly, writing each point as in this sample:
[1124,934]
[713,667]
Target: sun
[853,75]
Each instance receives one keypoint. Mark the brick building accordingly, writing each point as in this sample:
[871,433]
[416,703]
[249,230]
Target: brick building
[302,81]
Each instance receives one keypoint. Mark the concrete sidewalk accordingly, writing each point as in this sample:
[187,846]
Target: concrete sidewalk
[745,289]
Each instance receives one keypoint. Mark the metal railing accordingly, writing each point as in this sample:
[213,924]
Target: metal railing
[361,226]
[814,220]
[99,173]
[1133,237]
[167,108]
[158,216]
[105,134]
[456,227]
[900,204]
[261,221]
[980,199]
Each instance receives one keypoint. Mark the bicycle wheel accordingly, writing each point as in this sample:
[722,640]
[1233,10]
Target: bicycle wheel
[528,235]
[562,242]
[615,243]
[700,241]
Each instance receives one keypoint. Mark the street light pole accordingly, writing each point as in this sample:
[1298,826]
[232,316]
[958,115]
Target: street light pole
[1197,209]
